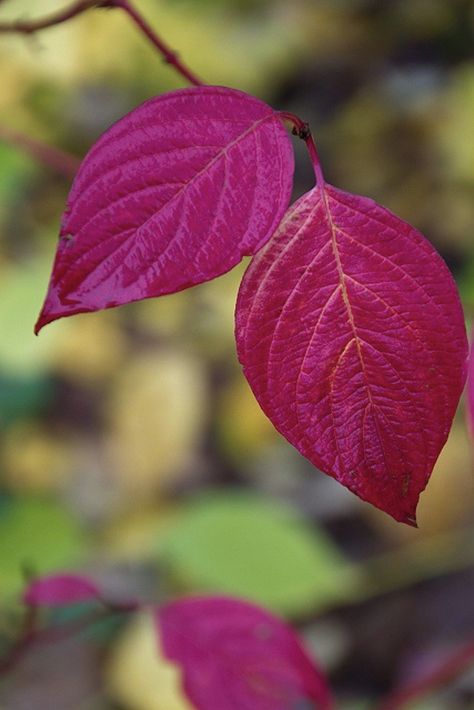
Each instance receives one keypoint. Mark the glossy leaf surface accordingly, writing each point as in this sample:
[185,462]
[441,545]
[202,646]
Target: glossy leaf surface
[351,334]
[60,590]
[173,194]
[470,390]
[236,656]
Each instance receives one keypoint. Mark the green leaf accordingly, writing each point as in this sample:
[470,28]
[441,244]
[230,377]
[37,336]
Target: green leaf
[466,283]
[22,290]
[240,544]
[15,169]
[37,535]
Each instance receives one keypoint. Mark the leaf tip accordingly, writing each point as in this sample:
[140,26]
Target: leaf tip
[43,319]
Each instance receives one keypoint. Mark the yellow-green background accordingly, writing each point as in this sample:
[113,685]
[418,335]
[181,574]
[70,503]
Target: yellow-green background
[131,446]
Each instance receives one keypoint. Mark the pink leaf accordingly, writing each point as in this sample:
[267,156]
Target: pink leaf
[60,590]
[470,390]
[235,656]
[351,335]
[174,194]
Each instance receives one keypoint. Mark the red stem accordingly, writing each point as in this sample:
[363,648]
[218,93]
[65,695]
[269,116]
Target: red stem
[449,669]
[23,642]
[303,131]
[31,634]
[169,56]
[64,163]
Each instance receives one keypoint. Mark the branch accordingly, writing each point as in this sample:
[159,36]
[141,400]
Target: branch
[448,670]
[29,27]
[31,634]
[169,56]
[60,161]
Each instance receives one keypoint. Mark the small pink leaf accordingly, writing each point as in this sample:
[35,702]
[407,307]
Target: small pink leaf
[173,194]
[470,389]
[60,590]
[351,334]
[235,656]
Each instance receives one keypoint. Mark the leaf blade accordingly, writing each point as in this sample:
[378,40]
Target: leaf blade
[366,335]
[470,390]
[174,194]
[236,655]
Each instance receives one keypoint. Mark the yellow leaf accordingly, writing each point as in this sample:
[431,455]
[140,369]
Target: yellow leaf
[137,675]
[33,460]
[155,419]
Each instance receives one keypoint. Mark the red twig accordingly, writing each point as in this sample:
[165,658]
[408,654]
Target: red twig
[23,642]
[29,27]
[449,669]
[30,634]
[169,56]
[303,131]
[64,163]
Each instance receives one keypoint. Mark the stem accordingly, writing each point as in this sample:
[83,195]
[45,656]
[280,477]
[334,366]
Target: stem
[30,634]
[64,163]
[449,669]
[303,131]
[313,154]
[29,27]
[169,56]
[23,642]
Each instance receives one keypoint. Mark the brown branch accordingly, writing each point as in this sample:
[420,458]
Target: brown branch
[29,27]
[60,161]
[448,670]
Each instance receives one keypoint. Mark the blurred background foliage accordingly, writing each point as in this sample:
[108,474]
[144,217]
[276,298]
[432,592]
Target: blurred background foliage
[132,448]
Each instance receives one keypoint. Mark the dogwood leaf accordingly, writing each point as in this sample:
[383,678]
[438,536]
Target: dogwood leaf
[60,590]
[173,194]
[234,655]
[351,334]
[470,389]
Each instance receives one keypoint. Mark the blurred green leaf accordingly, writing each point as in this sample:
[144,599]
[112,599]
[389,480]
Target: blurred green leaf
[466,283]
[23,289]
[37,535]
[239,544]
[15,167]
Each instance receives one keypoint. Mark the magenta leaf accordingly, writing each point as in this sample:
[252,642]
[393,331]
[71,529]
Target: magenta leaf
[173,194]
[60,590]
[470,389]
[236,656]
[351,334]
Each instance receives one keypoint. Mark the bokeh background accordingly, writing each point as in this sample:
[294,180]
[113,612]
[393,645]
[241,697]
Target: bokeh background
[131,446]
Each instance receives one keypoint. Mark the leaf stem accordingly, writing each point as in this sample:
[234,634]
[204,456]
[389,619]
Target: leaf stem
[302,130]
[30,27]
[449,669]
[313,154]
